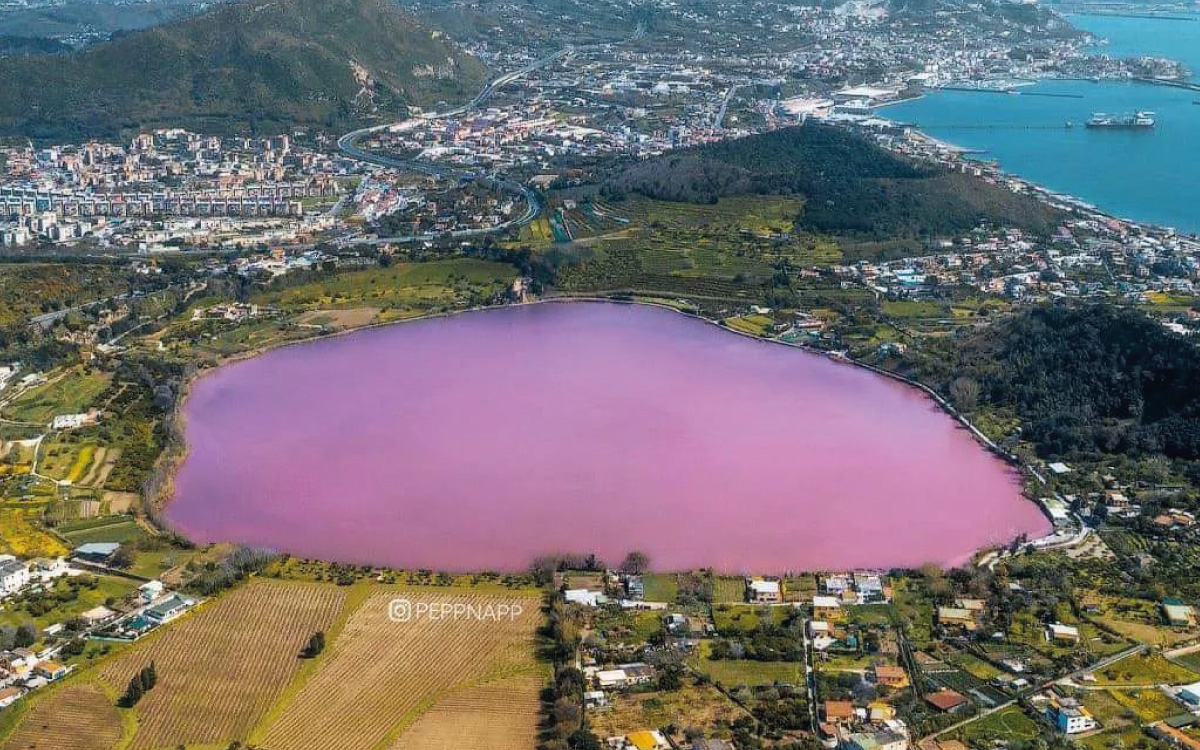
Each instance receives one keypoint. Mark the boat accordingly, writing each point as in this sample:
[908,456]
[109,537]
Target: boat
[1135,121]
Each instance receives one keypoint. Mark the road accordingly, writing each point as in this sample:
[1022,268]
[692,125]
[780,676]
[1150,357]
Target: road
[347,144]
[1044,686]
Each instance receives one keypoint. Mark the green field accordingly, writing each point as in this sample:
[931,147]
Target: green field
[734,672]
[111,529]
[68,392]
[403,288]
[1006,725]
[1144,669]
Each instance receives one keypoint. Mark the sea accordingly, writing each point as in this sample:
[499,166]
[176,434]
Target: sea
[1147,176]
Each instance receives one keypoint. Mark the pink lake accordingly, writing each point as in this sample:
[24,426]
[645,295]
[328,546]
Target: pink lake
[482,440]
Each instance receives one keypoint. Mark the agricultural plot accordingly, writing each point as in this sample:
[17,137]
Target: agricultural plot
[691,706]
[221,668]
[119,529]
[21,536]
[738,672]
[1145,669]
[380,675]
[1005,726]
[502,714]
[403,288]
[68,392]
[723,251]
[77,717]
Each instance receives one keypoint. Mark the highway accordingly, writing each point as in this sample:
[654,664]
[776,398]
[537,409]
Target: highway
[347,144]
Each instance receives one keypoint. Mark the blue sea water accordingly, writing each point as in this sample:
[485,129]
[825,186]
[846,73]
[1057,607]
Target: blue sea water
[1149,176]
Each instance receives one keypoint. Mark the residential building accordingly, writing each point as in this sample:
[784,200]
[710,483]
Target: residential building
[14,576]
[1068,716]
[763,591]
[946,700]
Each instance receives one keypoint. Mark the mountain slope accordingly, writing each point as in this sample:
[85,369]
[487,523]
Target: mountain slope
[257,66]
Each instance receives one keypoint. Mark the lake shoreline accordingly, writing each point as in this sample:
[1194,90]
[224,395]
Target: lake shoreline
[176,459]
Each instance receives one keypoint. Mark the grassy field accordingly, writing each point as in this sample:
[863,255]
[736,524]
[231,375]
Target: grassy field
[691,706]
[737,672]
[69,392]
[1006,725]
[1144,669]
[725,251]
[79,716]
[20,534]
[105,529]
[102,589]
[661,587]
[221,668]
[379,676]
[399,290]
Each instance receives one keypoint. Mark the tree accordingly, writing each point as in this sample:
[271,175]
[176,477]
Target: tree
[964,392]
[26,635]
[635,563]
[314,647]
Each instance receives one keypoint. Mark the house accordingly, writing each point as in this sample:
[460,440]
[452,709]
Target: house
[47,570]
[595,699]
[150,591]
[891,676]
[1064,633]
[168,609]
[585,597]
[763,591]
[1178,614]
[956,617]
[51,670]
[97,615]
[648,739]
[625,676]
[885,740]
[1161,730]
[1190,695]
[827,608]
[14,576]
[99,553]
[1068,716]
[839,712]
[9,696]
[880,711]
[946,700]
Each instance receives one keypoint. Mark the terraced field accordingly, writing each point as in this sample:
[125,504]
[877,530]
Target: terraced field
[379,676]
[77,717]
[223,667]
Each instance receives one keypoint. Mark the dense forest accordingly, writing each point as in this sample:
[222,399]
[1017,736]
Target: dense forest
[1093,379]
[851,186]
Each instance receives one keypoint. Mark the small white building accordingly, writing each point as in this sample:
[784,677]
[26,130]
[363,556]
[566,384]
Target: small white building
[586,597]
[14,575]
[151,590]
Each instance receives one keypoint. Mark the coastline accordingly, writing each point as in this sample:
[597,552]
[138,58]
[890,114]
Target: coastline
[175,455]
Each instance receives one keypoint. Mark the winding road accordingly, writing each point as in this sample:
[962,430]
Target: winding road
[348,145]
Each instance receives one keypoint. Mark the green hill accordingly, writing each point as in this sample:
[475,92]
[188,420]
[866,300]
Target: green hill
[257,66]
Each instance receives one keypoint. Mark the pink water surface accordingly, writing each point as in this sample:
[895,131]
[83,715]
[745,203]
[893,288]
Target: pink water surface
[483,440]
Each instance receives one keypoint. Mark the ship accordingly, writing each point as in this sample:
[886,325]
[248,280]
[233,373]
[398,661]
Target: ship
[1135,121]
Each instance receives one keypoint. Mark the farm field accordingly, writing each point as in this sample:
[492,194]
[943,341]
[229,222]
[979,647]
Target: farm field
[1145,669]
[20,535]
[737,672]
[1006,725]
[501,714]
[68,392]
[690,706]
[77,717]
[221,668]
[379,676]
[399,290]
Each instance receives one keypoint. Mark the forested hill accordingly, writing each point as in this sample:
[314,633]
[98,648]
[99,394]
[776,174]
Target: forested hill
[256,66]
[851,185]
[1093,379]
